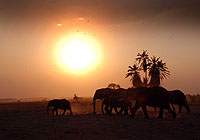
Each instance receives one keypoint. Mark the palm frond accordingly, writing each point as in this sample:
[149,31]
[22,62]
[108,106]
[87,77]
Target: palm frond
[129,74]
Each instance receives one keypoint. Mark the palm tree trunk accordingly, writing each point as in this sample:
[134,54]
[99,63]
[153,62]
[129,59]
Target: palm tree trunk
[145,79]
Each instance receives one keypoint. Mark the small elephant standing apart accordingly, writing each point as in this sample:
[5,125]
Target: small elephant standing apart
[59,104]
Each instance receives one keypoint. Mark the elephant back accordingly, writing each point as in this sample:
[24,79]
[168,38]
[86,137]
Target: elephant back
[59,103]
[176,96]
[153,96]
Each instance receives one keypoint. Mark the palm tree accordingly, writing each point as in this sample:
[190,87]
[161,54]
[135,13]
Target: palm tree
[158,71]
[143,61]
[135,76]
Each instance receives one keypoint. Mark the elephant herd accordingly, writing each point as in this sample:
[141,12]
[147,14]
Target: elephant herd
[122,99]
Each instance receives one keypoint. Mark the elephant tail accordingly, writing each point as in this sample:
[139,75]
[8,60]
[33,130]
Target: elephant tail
[130,107]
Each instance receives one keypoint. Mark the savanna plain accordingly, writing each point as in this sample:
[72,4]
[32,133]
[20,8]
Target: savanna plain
[29,120]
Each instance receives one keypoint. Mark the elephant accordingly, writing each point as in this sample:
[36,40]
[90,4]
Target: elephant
[59,104]
[107,92]
[177,97]
[154,97]
[120,103]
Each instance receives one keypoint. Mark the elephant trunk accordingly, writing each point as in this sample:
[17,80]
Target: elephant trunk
[94,99]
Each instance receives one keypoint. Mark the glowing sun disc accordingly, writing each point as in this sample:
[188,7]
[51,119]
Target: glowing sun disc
[78,53]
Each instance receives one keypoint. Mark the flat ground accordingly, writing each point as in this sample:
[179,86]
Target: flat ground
[28,120]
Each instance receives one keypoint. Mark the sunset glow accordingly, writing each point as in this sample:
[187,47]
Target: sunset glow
[78,53]
[58,48]
[59,24]
[100,69]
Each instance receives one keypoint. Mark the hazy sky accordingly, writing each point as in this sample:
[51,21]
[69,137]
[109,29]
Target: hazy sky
[29,34]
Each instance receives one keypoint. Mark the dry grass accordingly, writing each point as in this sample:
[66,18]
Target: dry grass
[193,99]
[28,120]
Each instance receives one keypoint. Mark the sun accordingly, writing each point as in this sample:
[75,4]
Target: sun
[78,53]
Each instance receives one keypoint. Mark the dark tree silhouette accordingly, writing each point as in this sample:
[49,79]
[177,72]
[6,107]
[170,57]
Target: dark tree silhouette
[154,70]
[157,71]
[143,62]
[114,86]
[135,76]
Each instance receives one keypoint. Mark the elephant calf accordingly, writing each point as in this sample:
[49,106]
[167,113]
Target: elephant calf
[113,103]
[123,104]
[59,104]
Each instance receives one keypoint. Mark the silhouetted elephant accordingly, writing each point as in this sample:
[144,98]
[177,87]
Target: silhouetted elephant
[154,97]
[177,97]
[107,92]
[59,104]
[120,103]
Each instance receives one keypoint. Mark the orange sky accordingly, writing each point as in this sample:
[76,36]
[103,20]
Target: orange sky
[29,34]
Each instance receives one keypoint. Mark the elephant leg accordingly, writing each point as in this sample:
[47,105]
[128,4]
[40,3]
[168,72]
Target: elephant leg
[110,112]
[173,107]
[145,111]
[56,111]
[94,112]
[106,109]
[125,110]
[135,108]
[180,108]
[70,111]
[102,110]
[64,112]
[115,108]
[121,110]
[160,116]
[187,107]
[172,112]
[130,108]
[155,109]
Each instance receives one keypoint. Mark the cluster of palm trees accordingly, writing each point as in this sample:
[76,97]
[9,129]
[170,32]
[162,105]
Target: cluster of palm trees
[154,70]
